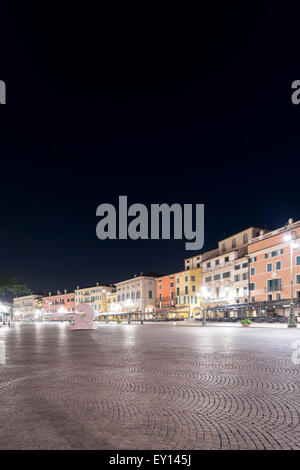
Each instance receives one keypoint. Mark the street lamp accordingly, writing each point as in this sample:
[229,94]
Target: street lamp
[291,237]
[203,291]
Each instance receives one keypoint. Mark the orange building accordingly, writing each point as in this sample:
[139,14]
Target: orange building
[59,306]
[270,267]
[165,292]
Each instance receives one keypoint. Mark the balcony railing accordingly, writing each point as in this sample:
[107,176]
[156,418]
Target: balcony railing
[276,288]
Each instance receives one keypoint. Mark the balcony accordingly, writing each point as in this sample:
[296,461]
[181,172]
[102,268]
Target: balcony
[277,288]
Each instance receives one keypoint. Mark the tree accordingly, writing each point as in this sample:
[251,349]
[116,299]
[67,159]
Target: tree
[10,285]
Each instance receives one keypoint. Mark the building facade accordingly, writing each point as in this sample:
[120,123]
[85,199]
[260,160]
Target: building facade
[179,294]
[95,296]
[59,306]
[226,273]
[137,296]
[26,307]
[270,272]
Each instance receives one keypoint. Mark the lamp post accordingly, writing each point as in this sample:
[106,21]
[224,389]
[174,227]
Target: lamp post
[291,236]
[203,291]
[249,272]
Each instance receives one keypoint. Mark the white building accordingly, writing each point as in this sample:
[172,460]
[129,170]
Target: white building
[25,307]
[226,270]
[137,294]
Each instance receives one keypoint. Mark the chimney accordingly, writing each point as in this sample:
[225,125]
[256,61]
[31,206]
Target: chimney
[97,284]
[77,287]
[49,294]
[58,292]
[65,291]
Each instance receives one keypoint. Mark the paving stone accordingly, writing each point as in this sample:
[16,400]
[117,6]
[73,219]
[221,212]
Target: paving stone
[149,387]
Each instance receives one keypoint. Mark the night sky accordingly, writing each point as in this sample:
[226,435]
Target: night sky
[162,105]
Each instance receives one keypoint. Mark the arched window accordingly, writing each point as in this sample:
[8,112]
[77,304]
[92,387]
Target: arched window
[224,247]
[138,294]
[234,243]
[245,238]
[123,296]
[132,295]
[127,295]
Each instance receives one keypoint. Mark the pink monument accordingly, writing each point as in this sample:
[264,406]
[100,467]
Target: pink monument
[83,317]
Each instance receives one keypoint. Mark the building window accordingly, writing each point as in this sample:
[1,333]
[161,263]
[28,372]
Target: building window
[237,266]
[298,260]
[245,265]
[217,277]
[177,291]
[186,290]
[193,288]
[252,286]
[252,271]
[278,265]
[226,259]
[217,262]
[208,265]
[233,243]
[237,278]
[269,267]
[270,297]
[193,278]
[274,284]
[186,278]
[266,255]
[245,291]
[138,294]
[227,274]
[278,296]
[224,247]
[245,238]
[298,279]
[281,251]
[150,294]
[274,253]
[208,279]
[245,276]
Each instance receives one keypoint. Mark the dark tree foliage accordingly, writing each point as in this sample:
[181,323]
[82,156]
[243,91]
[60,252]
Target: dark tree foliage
[10,285]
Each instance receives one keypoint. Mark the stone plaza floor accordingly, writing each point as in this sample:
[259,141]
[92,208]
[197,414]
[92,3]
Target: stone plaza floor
[149,387]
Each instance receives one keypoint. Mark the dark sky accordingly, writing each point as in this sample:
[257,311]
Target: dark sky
[163,105]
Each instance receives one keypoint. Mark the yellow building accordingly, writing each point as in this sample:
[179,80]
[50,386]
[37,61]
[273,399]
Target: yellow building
[179,295]
[188,297]
[95,296]
[111,304]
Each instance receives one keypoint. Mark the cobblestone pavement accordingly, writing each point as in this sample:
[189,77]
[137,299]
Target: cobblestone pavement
[148,387]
